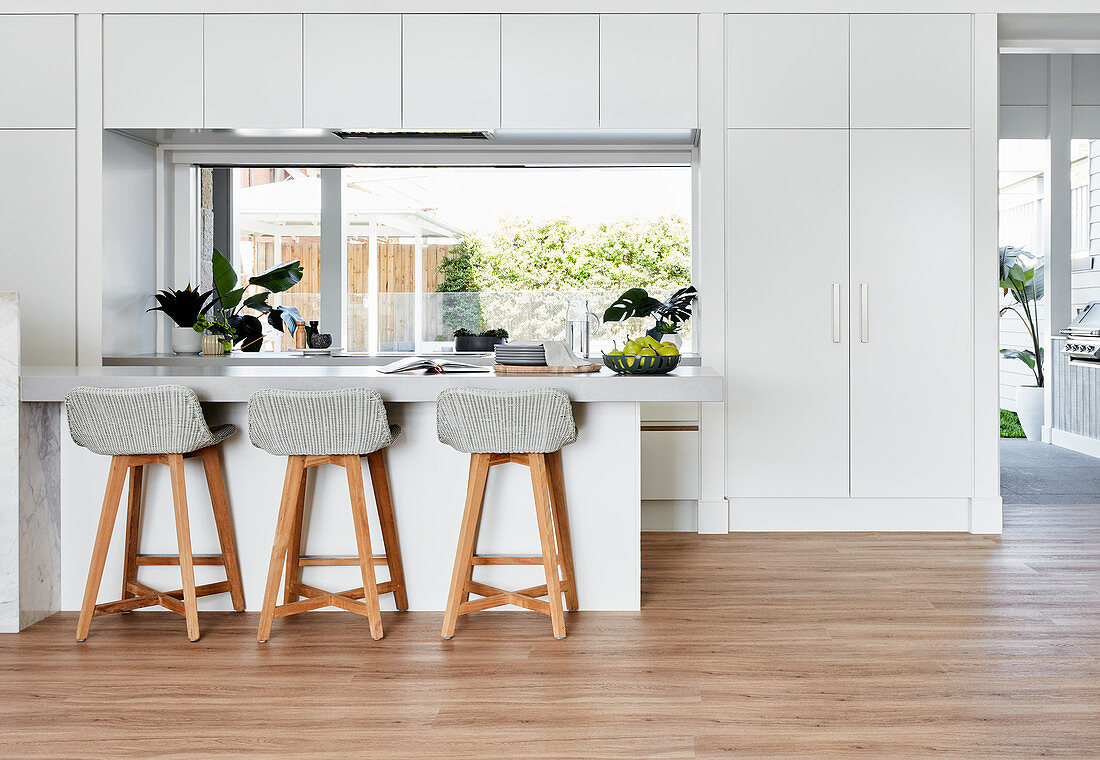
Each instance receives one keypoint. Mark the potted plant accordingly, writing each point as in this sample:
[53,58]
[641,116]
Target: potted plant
[1018,278]
[669,314]
[468,342]
[247,328]
[216,335]
[184,308]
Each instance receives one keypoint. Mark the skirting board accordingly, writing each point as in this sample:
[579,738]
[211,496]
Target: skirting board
[851,515]
[980,515]
[1079,443]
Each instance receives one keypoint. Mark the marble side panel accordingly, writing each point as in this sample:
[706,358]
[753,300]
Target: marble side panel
[9,462]
[39,512]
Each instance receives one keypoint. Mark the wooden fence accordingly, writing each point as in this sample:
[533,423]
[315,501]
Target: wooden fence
[396,275]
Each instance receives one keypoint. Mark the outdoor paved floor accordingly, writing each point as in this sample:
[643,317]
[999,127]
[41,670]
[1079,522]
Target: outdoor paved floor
[1038,473]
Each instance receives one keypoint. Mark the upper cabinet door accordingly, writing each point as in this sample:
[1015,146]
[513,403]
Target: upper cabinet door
[787,71]
[911,358]
[151,72]
[910,70]
[550,71]
[450,67]
[253,71]
[38,61]
[649,71]
[352,71]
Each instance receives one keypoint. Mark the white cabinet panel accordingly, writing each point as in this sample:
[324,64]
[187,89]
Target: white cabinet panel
[787,403]
[649,70]
[670,464]
[550,71]
[253,71]
[910,70]
[38,61]
[152,71]
[352,70]
[450,67]
[787,70]
[911,371]
[38,215]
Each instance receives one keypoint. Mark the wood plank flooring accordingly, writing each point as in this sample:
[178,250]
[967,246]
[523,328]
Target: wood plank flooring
[748,646]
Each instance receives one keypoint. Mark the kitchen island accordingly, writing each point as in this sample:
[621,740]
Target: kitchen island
[428,480]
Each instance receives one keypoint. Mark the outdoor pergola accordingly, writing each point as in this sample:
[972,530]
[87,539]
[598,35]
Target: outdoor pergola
[304,207]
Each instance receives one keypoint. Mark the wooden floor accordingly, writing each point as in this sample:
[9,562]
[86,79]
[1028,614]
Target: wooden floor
[748,646]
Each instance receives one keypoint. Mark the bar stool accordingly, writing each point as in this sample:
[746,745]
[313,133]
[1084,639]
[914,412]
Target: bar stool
[163,424]
[328,427]
[520,427]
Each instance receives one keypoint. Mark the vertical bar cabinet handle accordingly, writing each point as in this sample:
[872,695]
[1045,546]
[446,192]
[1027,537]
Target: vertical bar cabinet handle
[863,312]
[836,312]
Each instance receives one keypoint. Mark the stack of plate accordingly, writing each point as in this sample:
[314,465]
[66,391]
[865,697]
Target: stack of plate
[523,356]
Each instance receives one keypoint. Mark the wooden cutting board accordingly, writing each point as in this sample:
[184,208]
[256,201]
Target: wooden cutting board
[511,369]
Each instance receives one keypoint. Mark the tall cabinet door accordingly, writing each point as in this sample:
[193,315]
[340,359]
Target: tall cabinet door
[787,293]
[911,312]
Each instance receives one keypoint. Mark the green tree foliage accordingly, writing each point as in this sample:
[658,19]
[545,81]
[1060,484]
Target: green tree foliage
[461,309]
[556,254]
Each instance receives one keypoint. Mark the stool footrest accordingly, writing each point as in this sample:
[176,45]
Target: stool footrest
[313,561]
[490,559]
[174,560]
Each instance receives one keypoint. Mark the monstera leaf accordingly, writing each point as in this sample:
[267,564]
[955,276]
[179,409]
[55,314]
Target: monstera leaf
[635,302]
[678,306]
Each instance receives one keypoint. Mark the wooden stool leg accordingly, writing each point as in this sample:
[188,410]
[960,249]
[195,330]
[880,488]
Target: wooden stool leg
[354,468]
[116,478]
[380,482]
[211,463]
[293,573]
[467,541]
[295,466]
[133,530]
[183,539]
[561,527]
[540,487]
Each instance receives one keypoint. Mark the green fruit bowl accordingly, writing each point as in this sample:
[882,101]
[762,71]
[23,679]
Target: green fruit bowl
[641,365]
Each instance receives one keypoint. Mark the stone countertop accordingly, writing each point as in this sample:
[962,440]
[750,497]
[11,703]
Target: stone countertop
[288,359]
[221,383]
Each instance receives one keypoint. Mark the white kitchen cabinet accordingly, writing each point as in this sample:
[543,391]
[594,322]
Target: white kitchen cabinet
[670,464]
[450,69]
[911,355]
[787,70]
[152,71]
[38,211]
[352,70]
[910,70]
[550,71]
[38,61]
[649,71]
[252,71]
[787,245]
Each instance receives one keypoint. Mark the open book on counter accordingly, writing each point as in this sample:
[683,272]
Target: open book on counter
[431,366]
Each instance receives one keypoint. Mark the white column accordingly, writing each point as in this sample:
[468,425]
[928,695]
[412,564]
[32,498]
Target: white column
[710,267]
[333,256]
[89,189]
[418,297]
[372,290]
[985,506]
[1057,303]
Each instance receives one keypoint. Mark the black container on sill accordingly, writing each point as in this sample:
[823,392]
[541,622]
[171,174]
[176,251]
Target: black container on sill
[476,343]
[317,339]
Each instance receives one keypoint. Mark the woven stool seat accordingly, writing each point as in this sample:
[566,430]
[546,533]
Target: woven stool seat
[350,421]
[477,421]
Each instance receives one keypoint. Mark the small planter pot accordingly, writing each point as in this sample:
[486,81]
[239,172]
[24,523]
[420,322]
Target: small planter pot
[186,341]
[1029,408]
[472,343]
[212,346]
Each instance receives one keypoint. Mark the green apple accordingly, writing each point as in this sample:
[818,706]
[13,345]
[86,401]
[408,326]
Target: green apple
[668,349]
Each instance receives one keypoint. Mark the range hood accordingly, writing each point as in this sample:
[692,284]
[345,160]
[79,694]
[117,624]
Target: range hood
[414,134]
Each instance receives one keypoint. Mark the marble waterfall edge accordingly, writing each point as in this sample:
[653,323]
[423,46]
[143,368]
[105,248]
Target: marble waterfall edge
[30,502]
